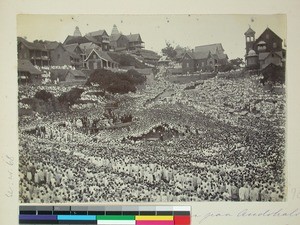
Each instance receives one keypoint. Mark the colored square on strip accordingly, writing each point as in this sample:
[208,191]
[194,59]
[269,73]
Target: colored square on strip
[182,220]
[153,218]
[113,217]
[76,217]
[120,222]
[154,222]
[37,217]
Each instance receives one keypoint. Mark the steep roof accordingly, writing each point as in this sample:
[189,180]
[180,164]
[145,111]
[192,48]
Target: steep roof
[97,33]
[209,48]
[115,37]
[26,66]
[101,54]
[134,37]
[268,30]
[32,45]
[249,31]
[92,39]
[75,39]
[88,46]
[77,32]
[115,30]
[71,47]
[73,55]
[198,55]
[51,45]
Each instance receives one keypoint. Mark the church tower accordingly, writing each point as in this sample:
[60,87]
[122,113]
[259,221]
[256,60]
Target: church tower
[114,30]
[250,39]
[77,32]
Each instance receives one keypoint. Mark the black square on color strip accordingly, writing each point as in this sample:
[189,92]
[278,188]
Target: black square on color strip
[78,212]
[44,212]
[77,222]
[96,213]
[147,213]
[61,212]
[164,213]
[27,212]
[131,213]
[182,213]
[113,212]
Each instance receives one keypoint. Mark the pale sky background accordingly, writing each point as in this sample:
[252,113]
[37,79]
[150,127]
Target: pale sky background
[184,30]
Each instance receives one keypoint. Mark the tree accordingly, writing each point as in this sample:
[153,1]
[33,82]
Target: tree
[169,51]
[116,82]
[237,63]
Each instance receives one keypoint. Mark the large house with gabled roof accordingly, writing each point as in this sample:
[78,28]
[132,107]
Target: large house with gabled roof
[98,59]
[36,52]
[135,42]
[266,49]
[204,58]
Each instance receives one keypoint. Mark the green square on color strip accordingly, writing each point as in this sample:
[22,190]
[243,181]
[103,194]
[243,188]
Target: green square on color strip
[115,217]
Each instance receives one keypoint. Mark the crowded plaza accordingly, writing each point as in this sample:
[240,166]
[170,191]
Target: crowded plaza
[223,140]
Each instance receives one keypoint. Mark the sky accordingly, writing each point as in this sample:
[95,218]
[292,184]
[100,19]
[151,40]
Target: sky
[185,30]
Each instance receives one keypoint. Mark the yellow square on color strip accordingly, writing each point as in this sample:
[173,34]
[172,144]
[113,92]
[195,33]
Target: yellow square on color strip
[153,217]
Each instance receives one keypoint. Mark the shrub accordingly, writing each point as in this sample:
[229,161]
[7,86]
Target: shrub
[116,82]
[71,96]
[44,95]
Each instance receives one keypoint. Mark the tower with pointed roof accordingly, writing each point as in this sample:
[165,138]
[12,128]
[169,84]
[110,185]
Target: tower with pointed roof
[250,39]
[115,30]
[77,32]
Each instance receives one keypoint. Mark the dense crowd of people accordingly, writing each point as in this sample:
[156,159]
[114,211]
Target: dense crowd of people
[218,155]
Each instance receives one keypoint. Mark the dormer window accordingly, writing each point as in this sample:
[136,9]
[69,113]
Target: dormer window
[267,36]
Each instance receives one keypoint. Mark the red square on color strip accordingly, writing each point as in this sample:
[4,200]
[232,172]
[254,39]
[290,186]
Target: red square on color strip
[182,220]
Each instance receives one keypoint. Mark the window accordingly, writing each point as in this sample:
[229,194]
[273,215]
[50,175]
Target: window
[274,45]
[203,64]
[94,56]
[95,65]
[58,56]
[187,64]
[267,36]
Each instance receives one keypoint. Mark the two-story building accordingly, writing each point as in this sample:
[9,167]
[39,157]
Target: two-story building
[118,42]
[35,52]
[135,42]
[101,37]
[64,56]
[204,58]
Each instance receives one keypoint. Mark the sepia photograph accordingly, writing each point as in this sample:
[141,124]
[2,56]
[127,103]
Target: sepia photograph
[151,108]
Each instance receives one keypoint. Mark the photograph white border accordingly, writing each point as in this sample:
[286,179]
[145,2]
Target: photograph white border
[219,213]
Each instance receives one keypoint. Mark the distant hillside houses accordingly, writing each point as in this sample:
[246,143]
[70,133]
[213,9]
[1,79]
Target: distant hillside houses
[265,50]
[80,53]
[204,58]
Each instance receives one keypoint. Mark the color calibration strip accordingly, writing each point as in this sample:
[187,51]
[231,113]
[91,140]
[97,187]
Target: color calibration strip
[105,215]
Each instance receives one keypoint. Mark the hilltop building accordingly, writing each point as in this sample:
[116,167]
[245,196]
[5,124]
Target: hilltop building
[204,58]
[265,50]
